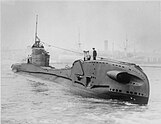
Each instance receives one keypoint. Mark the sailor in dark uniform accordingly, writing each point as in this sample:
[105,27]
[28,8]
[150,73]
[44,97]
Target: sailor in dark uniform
[94,54]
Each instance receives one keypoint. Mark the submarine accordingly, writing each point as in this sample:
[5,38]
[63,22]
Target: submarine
[101,78]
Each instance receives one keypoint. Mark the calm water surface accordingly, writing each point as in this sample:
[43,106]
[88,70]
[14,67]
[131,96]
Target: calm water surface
[29,100]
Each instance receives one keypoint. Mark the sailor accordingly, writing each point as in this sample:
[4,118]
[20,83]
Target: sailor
[94,54]
[86,55]
[28,59]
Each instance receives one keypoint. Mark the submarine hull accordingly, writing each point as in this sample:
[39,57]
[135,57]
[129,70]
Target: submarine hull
[84,84]
[104,78]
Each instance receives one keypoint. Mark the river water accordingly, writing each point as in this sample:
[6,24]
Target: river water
[29,100]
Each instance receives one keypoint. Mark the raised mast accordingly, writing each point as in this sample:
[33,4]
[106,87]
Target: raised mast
[36,28]
[37,40]
[79,41]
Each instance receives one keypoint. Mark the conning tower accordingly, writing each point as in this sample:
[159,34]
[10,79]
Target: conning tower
[39,56]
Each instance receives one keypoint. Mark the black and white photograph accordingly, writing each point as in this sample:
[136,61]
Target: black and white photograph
[80,62]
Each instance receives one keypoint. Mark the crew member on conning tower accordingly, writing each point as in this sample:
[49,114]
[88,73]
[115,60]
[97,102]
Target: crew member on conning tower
[86,55]
[94,54]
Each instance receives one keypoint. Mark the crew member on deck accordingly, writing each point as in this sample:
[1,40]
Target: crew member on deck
[86,55]
[94,54]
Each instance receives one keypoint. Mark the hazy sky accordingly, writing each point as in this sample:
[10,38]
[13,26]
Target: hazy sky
[60,22]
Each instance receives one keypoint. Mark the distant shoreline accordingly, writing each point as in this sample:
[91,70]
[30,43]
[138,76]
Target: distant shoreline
[151,65]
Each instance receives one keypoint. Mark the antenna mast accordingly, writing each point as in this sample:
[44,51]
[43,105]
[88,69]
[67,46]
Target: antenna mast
[125,46]
[79,42]
[36,27]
